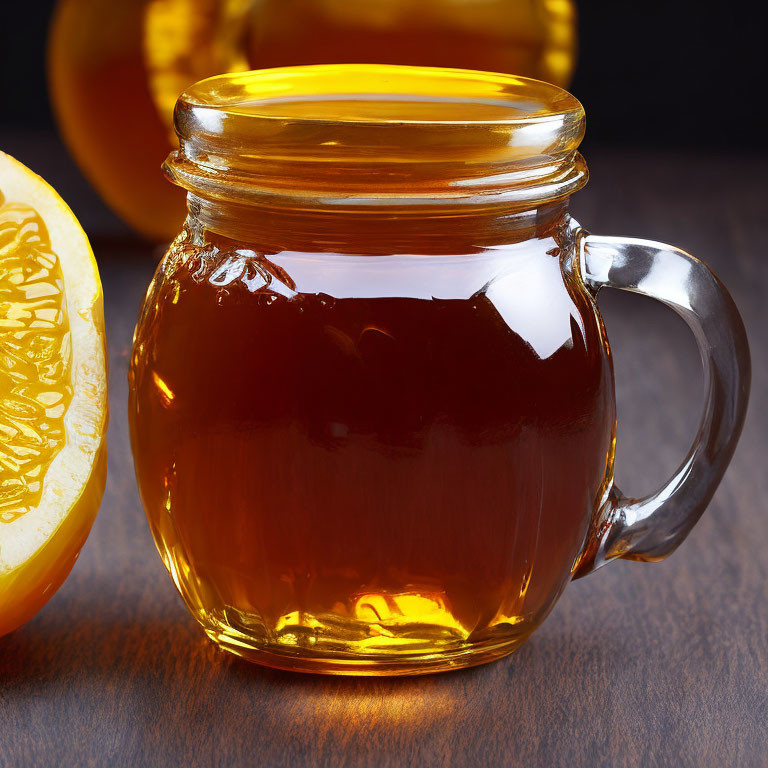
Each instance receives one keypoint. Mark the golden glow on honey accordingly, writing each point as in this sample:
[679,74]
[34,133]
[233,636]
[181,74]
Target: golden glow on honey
[163,388]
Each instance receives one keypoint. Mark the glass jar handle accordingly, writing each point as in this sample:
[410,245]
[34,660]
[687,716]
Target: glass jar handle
[651,528]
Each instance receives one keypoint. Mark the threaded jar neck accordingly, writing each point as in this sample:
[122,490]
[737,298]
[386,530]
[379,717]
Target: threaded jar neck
[378,140]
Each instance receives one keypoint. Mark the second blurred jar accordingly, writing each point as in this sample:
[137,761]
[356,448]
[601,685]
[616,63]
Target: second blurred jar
[134,57]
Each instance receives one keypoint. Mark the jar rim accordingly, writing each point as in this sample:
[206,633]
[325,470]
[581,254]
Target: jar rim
[362,134]
[262,94]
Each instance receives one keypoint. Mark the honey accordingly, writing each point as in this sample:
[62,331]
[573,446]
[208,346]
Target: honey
[334,460]
[371,401]
[117,68]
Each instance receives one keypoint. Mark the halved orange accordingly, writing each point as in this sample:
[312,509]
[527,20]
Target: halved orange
[53,392]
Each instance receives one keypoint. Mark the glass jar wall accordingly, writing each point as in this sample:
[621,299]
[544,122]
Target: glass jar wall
[372,405]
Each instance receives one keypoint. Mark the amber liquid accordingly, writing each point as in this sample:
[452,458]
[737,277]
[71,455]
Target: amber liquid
[370,463]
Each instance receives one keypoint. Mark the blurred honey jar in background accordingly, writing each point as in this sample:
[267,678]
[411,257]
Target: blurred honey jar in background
[116,68]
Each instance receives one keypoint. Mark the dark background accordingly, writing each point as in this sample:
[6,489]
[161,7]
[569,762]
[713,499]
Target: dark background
[676,73]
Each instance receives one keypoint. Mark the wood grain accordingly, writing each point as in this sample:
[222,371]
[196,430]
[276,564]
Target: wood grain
[663,664]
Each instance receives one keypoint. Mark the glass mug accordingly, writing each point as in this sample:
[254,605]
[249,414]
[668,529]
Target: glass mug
[108,57]
[372,403]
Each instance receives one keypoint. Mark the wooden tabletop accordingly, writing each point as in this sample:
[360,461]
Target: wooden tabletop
[663,664]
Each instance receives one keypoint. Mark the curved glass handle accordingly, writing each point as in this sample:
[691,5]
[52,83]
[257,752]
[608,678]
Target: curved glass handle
[651,528]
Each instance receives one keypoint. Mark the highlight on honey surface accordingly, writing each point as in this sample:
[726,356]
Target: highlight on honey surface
[117,68]
[52,392]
